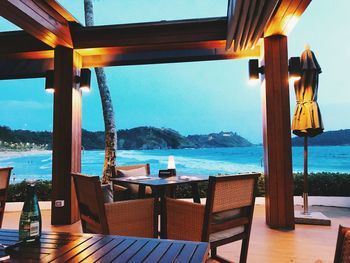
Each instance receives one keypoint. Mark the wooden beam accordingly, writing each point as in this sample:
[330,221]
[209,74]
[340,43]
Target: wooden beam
[277,135]
[241,25]
[24,68]
[66,146]
[20,42]
[266,14]
[17,67]
[255,19]
[120,39]
[285,17]
[62,11]
[233,13]
[253,11]
[168,56]
[39,19]
[246,22]
[151,35]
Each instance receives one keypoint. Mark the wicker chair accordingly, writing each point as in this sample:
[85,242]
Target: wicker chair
[226,216]
[5,174]
[124,191]
[342,252]
[128,218]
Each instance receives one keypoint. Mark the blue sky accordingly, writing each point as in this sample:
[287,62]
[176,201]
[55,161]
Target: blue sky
[193,98]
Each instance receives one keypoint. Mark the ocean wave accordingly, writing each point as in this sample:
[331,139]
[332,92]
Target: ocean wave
[47,159]
[45,167]
[195,164]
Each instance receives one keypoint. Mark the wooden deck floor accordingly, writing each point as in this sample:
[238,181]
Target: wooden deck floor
[305,244]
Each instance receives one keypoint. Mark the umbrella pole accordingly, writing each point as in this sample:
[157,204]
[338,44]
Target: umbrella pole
[306,185]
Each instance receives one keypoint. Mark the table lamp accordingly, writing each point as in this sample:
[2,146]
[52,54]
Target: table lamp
[171,165]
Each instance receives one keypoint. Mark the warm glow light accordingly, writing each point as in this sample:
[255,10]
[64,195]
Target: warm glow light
[49,81]
[290,22]
[171,162]
[84,79]
[293,79]
[254,71]
[51,90]
[85,89]
[253,82]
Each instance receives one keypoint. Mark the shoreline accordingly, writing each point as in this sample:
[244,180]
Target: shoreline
[4,155]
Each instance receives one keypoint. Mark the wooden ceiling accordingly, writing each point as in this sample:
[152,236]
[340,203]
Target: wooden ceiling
[46,25]
[248,21]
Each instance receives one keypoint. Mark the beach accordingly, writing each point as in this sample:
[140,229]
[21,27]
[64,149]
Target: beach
[5,155]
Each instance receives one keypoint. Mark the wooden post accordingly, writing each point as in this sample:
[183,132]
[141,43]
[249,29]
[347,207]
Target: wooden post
[66,150]
[277,134]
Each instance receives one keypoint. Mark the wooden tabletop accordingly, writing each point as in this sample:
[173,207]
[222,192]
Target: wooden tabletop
[67,247]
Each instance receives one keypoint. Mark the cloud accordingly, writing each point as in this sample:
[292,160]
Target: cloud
[27,104]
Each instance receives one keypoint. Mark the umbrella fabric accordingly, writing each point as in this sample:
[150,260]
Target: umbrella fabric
[307,120]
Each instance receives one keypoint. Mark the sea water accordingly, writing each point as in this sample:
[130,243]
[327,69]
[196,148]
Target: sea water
[210,161]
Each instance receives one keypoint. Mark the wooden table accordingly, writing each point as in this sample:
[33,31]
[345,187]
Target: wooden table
[63,247]
[159,187]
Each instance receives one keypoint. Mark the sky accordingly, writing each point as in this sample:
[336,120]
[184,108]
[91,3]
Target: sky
[195,97]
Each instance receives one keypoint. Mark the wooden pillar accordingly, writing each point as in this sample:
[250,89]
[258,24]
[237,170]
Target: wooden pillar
[277,134]
[66,150]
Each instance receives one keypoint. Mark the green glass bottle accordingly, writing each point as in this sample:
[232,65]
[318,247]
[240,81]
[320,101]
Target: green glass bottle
[30,221]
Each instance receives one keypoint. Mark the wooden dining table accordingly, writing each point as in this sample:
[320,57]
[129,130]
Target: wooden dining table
[68,247]
[160,186]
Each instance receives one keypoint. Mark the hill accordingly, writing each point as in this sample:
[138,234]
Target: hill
[329,138]
[141,138]
[146,138]
[222,139]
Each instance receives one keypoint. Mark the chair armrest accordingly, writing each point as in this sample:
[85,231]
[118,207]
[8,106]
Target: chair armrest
[121,192]
[119,188]
[184,220]
[131,218]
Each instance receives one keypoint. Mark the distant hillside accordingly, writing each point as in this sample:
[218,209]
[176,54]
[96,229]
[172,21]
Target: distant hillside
[329,138]
[145,138]
[222,139]
[152,138]
[17,136]
[130,139]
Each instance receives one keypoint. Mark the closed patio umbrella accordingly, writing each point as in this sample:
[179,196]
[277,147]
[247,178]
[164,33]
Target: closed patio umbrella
[307,121]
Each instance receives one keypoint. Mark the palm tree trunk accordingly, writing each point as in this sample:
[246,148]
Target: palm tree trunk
[107,107]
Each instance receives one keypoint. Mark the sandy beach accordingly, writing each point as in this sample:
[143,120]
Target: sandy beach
[4,155]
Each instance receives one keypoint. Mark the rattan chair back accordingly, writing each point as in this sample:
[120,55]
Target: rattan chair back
[232,192]
[5,174]
[91,203]
[115,169]
[226,217]
[342,252]
[123,190]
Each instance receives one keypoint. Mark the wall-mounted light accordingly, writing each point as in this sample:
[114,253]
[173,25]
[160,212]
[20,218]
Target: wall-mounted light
[294,68]
[49,82]
[84,79]
[254,70]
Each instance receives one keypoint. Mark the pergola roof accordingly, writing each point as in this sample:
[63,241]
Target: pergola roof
[46,25]
[51,35]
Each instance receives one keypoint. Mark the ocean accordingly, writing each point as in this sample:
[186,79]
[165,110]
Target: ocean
[210,161]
